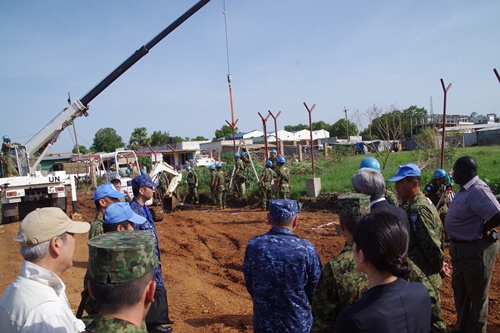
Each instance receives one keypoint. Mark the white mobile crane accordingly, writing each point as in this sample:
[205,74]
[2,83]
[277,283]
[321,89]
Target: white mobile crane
[31,189]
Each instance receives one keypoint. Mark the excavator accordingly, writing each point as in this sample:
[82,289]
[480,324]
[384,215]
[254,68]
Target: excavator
[32,189]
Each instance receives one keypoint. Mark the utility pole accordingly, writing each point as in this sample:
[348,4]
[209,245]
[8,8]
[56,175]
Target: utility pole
[346,124]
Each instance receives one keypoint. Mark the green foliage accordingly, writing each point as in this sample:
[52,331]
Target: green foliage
[199,138]
[106,140]
[145,161]
[343,127]
[224,132]
[293,128]
[159,138]
[139,138]
[82,149]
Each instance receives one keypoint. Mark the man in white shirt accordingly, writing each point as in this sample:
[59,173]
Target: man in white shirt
[36,300]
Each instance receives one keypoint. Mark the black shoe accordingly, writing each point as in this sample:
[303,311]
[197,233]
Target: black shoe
[160,329]
[169,322]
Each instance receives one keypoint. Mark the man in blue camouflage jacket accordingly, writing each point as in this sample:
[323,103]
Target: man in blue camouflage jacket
[281,271]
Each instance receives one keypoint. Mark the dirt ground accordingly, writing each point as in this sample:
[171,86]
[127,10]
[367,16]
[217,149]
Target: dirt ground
[202,252]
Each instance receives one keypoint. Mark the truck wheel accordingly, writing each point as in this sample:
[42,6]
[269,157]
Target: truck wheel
[157,213]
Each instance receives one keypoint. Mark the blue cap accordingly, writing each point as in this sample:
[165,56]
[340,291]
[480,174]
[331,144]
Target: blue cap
[107,190]
[407,170]
[120,212]
[141,181]
[281,209]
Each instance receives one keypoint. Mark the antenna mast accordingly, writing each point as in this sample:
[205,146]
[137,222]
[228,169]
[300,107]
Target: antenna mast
[229,80]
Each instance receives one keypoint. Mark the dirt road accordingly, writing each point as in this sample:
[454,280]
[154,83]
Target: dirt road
[202,252]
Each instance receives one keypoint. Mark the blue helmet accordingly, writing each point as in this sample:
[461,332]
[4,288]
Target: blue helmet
[273,151]
[243,153]
[212,167]
[127,171]
[269,163]
[236,154]
[6,138]
[281,160]
[188,168]
[371,163]
[143,172]
[439,173]
[218,165]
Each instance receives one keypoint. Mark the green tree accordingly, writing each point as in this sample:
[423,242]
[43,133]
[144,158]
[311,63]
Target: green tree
[224,132]
[159,138]
[82,149]
[342,127]
[175,139]
[139,138]
[410,117]
[319,125]
[200,138]
[106,140]
[294,128]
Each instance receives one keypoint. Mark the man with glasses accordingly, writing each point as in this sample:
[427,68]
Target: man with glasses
[143,188]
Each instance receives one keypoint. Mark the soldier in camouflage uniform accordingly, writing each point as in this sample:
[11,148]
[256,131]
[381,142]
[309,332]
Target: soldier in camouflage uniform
[281,271]
[104,196]
[192,181]
[340,284]
[213,174]
[266,179]
[426,247]
[8,163]
[274,159]
[240,175]
[440,191]
[220,187]
[283,179]
[120,261]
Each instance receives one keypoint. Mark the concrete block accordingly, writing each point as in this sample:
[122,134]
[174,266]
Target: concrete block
[313,187]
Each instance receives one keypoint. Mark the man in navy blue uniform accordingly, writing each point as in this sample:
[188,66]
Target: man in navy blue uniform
[143,188]
[281,271]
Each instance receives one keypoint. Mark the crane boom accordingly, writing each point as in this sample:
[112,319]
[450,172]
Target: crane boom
[45,138]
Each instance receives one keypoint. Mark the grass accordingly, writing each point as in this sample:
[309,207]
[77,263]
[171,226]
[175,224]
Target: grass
[336,171]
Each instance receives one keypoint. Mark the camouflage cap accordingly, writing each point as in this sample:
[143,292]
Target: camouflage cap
[122,256]
[283,208]
[354,204]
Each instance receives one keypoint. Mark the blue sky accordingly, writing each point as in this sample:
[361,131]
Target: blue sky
[282,53]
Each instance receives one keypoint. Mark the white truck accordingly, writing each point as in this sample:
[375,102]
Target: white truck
[31,189]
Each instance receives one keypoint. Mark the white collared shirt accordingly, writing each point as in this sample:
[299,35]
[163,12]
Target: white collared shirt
[36,302]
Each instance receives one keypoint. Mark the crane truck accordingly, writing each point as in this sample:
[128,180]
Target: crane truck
[31,189]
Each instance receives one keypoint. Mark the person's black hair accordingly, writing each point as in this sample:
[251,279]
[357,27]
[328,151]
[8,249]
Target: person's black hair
[115,181]
[411,178]
[106,227]
[112,297]
[384,241]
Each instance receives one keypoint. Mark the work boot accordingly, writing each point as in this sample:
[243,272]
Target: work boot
[160,329]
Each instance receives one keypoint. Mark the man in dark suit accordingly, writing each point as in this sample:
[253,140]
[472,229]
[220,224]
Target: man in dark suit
[370,181]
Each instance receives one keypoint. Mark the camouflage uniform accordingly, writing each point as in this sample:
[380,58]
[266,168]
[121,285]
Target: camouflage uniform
[340,284]
[8,162]
[416,275]
[283,176]
[88,303]
[105,324]
[220,188]
[434,192]
[213,176]
[163,184]
[240,176]
[426,238]
[266,191]
[274,159]
[118,257]
[192,180]
[281,271]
